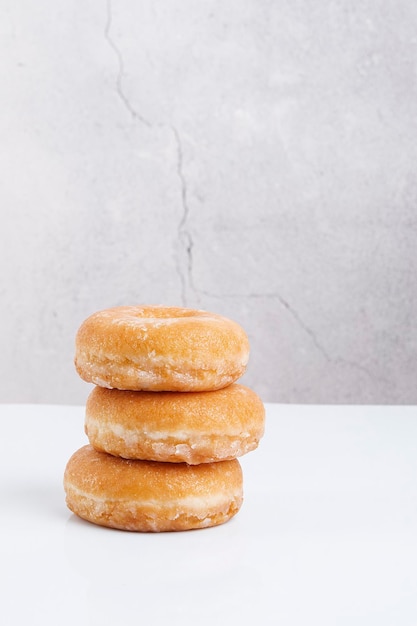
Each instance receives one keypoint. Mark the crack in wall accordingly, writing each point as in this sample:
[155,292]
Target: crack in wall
[304,326]
[334,360]
[288,307]
[119,88]
[309,331]
[184,191]
[184,236]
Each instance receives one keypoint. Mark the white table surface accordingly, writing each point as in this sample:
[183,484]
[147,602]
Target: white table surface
[327,533]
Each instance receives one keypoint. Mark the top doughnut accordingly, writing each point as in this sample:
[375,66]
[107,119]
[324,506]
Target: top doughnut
[160,348]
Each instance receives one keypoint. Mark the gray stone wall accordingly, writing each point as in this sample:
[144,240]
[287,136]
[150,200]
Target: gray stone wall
[253,158]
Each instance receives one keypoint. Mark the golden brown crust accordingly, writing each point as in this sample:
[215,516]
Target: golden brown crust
[159,348]
[199,427]
[151,497]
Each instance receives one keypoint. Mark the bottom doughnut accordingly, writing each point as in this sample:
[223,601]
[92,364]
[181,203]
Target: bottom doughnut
[148,496]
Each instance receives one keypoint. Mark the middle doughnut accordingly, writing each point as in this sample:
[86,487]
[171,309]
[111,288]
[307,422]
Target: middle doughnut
[175,427]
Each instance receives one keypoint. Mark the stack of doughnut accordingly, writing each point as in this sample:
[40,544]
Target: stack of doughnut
[166,420]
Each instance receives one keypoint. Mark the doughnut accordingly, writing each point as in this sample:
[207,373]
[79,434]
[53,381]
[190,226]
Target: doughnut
[160,348]
[175,427]
[147,496]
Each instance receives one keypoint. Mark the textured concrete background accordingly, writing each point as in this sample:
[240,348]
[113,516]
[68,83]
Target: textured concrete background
[249,157]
